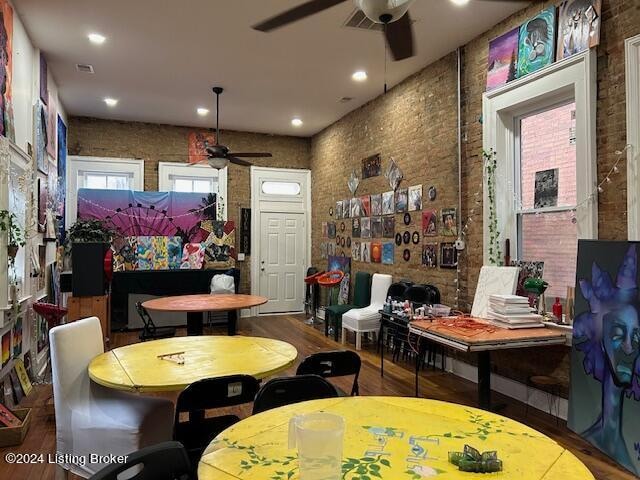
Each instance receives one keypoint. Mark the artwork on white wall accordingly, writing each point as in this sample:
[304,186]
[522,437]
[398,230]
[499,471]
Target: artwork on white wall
[40,136]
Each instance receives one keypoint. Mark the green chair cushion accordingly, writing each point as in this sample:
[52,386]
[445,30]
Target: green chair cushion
[339,309]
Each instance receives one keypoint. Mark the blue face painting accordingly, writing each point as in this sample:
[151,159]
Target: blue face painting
[621,343]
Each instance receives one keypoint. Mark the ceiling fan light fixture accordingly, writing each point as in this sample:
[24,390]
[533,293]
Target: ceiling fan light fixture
[217,162]
[296,122]
[359,76]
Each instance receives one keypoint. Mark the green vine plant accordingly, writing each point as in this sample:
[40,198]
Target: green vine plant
[15,236]
[495,252]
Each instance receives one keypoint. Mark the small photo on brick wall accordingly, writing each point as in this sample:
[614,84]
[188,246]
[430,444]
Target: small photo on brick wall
[365,201]
[331,229]
[448,255]
[388,203]
[376,205]
[387,253]
[546,188]
[346,208]
[376,252]
[401,200]
[429,223]
[365,227]
[339,210]
[356,207]
[388,227]
[365,252]
[415,198]
[376,227]
[430,255]
[371,166]
[355,251]
[355,228]
[449,222]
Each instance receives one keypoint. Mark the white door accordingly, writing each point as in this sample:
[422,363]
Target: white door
[282,261]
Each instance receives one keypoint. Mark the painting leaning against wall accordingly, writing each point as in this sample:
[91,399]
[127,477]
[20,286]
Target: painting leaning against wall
[6,70]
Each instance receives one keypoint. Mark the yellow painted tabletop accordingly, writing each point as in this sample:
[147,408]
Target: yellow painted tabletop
[137,367]
[397,438]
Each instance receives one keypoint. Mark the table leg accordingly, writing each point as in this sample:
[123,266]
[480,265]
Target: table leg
[381,347]
[484,380]
[194,323]
[232,325]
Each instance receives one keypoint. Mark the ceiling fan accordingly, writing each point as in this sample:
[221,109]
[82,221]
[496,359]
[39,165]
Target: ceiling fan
[219,156]
[393,14]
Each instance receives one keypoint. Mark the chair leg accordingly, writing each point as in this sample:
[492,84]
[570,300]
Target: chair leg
[344,336]
[358,341]
[61,473]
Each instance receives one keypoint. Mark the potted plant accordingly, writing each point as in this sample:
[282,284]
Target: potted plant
[15,240]
[88,231]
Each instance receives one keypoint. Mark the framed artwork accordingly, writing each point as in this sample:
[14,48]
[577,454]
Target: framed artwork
[355,228]
[579,25]
[7,127]
[52,128]
[376,252]
[503,59]
[429,223]
[371,166]
[376,205]
[44,80]
[365,252]
[365,227]
[356,207]
[17,336]
[365,202]
[62,178]
[388,203]
[449,222]
[604,399]
[6,348]
[393,174]
[353,182]
[546,188]
[323,249]
[331,229]
[401,200]
[376,227]
[346,208]
[448,255]
[415,198]
[339,210]
[197,145]
[388,227]
[43,197]
[355,251]
[387,253]
[40,129]
[536,45]
[430,255]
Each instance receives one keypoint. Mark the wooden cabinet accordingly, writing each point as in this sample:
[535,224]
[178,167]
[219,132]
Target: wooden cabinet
[83,307]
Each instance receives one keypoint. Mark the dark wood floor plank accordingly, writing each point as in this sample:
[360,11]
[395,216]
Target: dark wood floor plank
[398,380]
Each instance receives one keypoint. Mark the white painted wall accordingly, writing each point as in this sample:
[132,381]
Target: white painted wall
[25,93]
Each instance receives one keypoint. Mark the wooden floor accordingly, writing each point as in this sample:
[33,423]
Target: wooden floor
[398,380]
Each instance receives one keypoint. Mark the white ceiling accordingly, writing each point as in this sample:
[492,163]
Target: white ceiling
[162,56]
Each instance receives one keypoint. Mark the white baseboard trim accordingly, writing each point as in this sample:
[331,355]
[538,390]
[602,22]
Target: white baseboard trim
[537,398]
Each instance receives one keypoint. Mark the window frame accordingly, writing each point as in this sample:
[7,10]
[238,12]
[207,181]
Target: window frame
[105,165]
[168,169]
[632,75]
[573,78]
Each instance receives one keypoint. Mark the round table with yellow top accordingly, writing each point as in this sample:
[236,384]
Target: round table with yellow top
[171,364]
[390,438]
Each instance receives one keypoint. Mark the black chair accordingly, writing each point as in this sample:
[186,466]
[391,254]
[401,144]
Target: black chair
[164,461]
[396,291]
[287,390]
[337,363]
[150,331]
[434,294]
[197,432]
[417,295]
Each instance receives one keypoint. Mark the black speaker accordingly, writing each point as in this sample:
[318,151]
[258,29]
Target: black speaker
[65,282]
[88,267]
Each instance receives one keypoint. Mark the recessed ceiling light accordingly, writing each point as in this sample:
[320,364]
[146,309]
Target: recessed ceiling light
[111,102]
[460,3]
[296,122]
[202,111]
[96,38]
[359,76]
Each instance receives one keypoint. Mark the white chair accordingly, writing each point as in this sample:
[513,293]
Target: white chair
[367,319]
[91,419]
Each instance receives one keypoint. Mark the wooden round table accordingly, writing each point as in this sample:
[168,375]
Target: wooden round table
[390,438]
[137,367]
[196,305]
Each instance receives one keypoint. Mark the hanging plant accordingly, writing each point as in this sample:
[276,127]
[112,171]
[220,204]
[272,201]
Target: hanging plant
[495,252]
[15,240]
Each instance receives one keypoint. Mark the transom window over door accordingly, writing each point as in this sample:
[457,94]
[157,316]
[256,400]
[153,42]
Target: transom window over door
[546,186]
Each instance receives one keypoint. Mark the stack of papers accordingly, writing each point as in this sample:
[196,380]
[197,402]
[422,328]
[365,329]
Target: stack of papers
[512,311]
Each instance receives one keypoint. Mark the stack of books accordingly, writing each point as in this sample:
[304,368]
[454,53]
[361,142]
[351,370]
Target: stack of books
[512,311]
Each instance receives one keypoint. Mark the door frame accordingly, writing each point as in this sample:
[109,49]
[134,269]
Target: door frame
[276,204]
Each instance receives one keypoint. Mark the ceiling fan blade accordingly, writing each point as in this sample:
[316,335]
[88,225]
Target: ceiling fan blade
[295,14]
[251,155]
[400,37]
[239,161]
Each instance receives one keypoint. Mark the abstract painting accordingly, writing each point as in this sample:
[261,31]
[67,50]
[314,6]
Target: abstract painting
[388,203]
[429,223]
[6,70]
[52,127]
[578,26]
[17,337]
[604,401]
[174,252]
[415,198]
[387,253]
[193,256]
[536,47]
[144,253]
[371,166]
[546,188]
[503,59]
[44,80]
[62,177]
[376,205]
[198,142]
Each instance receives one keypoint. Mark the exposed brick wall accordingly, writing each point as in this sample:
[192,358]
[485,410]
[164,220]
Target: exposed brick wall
[415,123]
[106,138]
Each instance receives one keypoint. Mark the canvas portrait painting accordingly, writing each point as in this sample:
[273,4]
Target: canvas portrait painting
[503,59]
[536,45]
[355,228]
[365,252]
[604,402]
[578,26]
[449,222]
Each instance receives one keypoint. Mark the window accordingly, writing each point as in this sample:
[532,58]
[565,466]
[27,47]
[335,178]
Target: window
[182,177]
[546,177]
[281,188]
[543,130]
[102,173]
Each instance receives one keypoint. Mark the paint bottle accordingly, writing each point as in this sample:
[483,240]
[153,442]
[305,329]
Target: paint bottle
[557,310]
